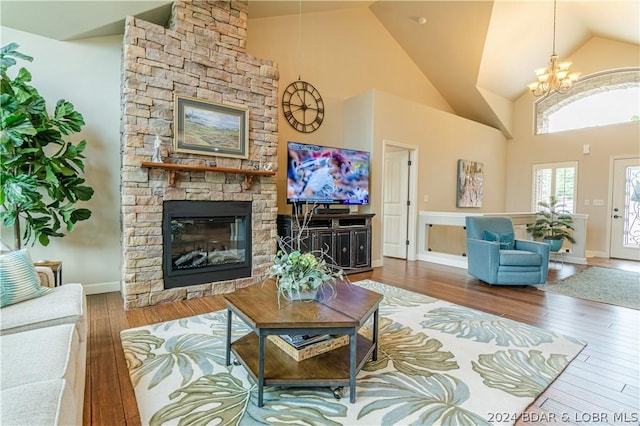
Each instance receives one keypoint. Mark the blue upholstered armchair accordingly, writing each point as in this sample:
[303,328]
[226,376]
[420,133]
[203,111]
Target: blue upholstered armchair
[496,257]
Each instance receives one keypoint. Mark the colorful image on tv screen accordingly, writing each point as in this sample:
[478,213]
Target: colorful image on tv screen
[320,174]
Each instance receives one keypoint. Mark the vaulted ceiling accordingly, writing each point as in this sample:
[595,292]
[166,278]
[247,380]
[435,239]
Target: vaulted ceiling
[477,53]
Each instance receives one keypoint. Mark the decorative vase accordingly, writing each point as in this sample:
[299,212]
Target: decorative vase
[301,295]
[555,245]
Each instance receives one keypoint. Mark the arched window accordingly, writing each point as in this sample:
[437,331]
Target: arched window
[609,97]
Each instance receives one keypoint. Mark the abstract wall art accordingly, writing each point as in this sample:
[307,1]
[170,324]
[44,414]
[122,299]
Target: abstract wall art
[470,184]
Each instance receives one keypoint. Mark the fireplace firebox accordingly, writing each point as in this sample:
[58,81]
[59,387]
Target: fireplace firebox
[205,241]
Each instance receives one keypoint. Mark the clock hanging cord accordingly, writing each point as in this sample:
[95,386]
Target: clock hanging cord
[299,38]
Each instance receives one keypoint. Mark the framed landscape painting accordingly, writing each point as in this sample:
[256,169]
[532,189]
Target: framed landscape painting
[210,129]
[469,190]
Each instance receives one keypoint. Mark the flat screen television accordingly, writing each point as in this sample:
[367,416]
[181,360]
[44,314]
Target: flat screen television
[325,175]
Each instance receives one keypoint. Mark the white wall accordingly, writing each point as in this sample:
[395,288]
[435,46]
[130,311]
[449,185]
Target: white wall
[527,149]
[87,74]
[343,53]
[441,139]
[373,91]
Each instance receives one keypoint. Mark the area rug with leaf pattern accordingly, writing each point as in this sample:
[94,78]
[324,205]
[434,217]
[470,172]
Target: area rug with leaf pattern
[438,363]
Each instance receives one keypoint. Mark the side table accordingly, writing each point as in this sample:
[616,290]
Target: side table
[554,255]
[56,267]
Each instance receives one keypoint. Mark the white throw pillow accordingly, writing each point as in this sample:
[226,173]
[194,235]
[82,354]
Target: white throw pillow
[18,279]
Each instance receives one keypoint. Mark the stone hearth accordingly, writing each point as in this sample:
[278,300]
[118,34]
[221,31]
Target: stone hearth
[201,55]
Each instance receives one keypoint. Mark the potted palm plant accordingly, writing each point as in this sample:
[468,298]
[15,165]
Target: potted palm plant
[552,225]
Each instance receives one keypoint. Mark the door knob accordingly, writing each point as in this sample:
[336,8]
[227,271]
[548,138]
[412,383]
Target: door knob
[615,216]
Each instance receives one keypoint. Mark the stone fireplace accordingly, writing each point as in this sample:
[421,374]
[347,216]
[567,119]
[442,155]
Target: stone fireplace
[201,55]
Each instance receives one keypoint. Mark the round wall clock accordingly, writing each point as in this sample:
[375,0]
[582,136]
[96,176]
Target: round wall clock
[303,106]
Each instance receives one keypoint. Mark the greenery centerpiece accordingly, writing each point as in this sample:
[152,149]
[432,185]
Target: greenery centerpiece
[300,274]
[552,225]
[40,170]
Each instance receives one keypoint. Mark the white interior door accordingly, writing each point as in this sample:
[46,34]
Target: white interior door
[625,209]
[395,208]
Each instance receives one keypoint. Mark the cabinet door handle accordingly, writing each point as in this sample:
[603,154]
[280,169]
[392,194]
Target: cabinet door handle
[344,249]
[361,247]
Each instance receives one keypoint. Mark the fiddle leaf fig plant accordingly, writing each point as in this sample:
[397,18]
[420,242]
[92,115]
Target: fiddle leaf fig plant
[40,170]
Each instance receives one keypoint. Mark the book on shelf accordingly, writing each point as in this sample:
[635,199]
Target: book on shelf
[301,340]
[311,349]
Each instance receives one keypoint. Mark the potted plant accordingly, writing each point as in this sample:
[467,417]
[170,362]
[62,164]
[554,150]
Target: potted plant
[298,275]
[40,171]
[552,224]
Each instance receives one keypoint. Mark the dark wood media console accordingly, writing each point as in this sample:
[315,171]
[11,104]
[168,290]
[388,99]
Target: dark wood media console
[345,238]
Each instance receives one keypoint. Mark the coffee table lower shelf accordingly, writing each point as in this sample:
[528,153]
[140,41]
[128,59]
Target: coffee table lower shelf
[327,369]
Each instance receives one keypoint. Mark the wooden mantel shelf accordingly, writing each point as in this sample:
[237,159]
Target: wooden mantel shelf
[172,168]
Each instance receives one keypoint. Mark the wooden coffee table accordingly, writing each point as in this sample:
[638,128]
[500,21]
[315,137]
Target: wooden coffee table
[258,307]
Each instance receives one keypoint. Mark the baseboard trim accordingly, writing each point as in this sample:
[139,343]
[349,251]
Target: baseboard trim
[99,288]
[444,259]
[591,253]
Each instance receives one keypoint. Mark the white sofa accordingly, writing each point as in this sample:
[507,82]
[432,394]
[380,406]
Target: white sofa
[43,344]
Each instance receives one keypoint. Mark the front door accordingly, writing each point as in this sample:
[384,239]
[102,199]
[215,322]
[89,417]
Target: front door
[625,209]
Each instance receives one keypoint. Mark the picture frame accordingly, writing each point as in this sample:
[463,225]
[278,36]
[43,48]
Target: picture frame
[470,184]
[209,128]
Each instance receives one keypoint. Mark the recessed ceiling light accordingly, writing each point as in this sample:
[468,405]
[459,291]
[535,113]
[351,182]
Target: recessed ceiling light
[422,20]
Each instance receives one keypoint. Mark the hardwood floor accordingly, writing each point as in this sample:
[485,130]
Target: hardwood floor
[600,386]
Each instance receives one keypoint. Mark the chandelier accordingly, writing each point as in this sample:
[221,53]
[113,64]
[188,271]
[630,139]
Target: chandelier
[557,75]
